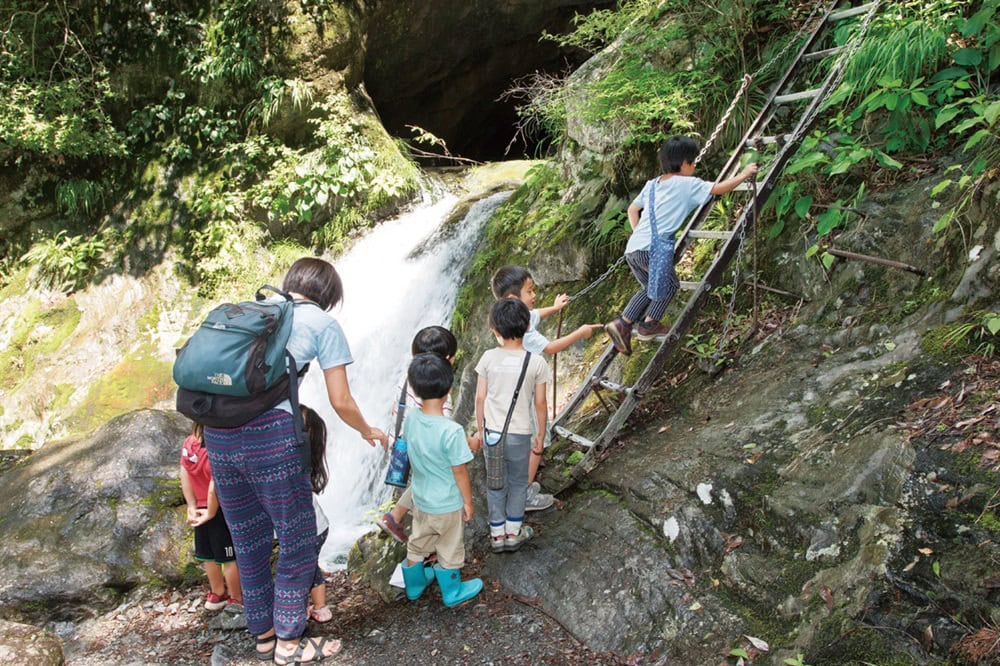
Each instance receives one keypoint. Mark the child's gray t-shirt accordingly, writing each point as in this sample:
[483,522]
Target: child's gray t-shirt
[675,198]
[501,368]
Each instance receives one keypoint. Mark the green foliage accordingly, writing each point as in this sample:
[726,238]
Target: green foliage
[53,91]
[664,51]
[907,82]
[79,196]
[979,332]
[66,262]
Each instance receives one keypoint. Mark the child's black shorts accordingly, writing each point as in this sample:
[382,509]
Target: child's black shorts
[213,542]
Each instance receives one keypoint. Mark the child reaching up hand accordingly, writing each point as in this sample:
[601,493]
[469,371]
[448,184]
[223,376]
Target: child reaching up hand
[655,215]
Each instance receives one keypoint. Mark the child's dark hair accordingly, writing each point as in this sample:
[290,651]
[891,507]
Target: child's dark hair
[675,151]
[430,375]
[510,318]
[508,281]
[198,431]
[315,428]
[435,340]
[315,279]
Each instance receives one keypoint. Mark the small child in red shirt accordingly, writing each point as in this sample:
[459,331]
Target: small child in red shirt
[213,543]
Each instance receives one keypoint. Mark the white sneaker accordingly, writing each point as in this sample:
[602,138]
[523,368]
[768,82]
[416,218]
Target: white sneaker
[536,499]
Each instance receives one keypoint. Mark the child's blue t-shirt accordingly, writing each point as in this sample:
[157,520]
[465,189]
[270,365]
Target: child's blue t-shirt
[316,335]
[675,198]
[435,444]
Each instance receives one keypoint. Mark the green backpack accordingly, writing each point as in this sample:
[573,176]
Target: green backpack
[236,367]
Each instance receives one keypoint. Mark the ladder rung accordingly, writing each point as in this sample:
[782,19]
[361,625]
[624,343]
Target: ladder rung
[612,386]
[825,53]
[853,11]
[718,235]
[779,139]
[797,96]
[573,437]
[687,285]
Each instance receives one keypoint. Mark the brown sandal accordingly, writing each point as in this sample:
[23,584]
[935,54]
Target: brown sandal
[317,645]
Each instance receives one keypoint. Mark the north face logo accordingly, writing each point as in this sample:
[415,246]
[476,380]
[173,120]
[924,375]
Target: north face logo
[220,379]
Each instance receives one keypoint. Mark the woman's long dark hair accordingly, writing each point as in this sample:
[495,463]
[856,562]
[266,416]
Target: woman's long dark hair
[315,428]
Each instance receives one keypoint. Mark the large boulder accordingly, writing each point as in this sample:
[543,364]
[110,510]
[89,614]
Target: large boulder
[25,644]
[86,517]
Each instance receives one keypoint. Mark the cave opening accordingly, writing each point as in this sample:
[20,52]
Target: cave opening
[444,67]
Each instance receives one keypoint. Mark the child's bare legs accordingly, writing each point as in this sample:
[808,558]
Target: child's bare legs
[320,612]
[231,573]
[216,581]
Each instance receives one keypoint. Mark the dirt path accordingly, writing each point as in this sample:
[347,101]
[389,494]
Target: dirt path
[170,627]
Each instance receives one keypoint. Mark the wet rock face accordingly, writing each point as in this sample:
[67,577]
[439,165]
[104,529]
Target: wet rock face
[781,501]
[442,65]
[85,517]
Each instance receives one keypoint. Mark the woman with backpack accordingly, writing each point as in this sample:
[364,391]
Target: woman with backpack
[263,488]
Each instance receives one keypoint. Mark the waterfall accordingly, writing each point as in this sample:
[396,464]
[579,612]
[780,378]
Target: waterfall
[402,276]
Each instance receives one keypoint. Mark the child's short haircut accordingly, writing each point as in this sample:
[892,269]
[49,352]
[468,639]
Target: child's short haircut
[508,281]
[675,151]
[430,375]
[510,318]
[435,340]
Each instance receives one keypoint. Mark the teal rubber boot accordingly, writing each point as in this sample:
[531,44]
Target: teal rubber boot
[454,590]
[417,577]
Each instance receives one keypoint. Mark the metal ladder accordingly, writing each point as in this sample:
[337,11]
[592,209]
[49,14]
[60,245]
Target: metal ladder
[785,143]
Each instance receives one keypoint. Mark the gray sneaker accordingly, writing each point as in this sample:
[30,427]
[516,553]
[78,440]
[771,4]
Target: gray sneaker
[512,543]
[536,499]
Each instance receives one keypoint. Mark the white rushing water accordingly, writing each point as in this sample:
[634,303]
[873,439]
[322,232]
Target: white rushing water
[402,276]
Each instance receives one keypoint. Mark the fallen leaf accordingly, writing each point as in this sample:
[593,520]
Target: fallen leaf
[733,541]
[909,567]
[665,428]
[826,594]
[925,551]
[758,643]
[695,607]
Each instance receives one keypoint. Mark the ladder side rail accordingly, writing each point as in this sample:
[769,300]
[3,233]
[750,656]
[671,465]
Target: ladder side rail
[585,388]
[590,458]
[698,217]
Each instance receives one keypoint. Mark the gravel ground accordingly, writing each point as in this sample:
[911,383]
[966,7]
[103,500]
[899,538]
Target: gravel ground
[171,627]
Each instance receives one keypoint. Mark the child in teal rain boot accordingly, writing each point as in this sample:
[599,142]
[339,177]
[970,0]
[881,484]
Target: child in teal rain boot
[417,577]
[442,493]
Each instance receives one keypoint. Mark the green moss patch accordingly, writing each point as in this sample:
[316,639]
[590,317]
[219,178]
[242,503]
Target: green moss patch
[138,381]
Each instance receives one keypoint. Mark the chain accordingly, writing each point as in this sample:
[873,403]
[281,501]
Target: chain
[732,299]
[788,45]
[593,285]
[839,70]
[747,79]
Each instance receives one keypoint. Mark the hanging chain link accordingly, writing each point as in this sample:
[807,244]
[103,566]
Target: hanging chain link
[736,280]
[593,285]
[748,79]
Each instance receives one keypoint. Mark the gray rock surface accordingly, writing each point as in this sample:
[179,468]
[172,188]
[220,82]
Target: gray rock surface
[25,644]
[86,517]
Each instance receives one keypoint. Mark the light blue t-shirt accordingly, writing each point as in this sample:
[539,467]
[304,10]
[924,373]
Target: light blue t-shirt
[435,445]
[316,335]
[534,341]
[675,198]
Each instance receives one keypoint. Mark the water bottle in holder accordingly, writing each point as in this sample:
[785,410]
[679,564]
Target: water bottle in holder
[398,473]
[493,452]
